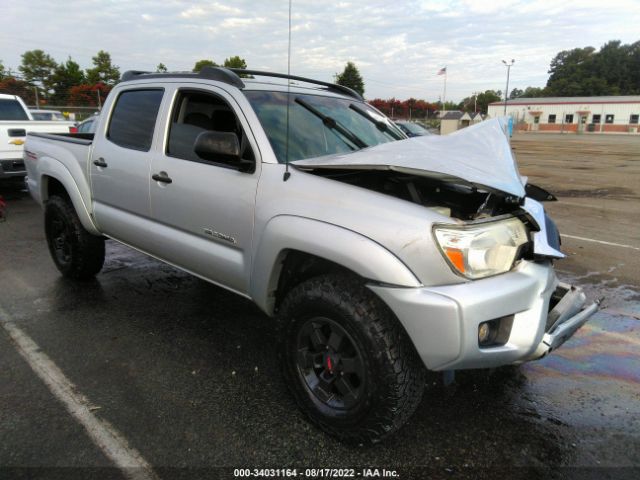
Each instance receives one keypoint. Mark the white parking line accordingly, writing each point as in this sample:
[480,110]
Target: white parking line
[103,434]
[601,241]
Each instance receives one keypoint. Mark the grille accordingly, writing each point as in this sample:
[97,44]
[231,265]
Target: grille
[12,165]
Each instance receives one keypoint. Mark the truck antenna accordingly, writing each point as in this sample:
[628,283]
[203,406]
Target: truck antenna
[287,174]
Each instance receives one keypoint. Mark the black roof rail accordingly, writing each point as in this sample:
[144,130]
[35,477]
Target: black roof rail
[211,73]
[131,74]
[231,77]
[222,74]
[333,86]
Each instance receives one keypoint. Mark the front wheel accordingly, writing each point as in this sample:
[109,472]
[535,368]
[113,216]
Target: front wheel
[349,363]
[75,252]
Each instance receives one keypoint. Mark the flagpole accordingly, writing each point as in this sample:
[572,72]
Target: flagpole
[444,93]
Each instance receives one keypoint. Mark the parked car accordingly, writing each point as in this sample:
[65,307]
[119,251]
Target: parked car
[15,122]
[377,258]
[412,129]
[88,125]
[47,115]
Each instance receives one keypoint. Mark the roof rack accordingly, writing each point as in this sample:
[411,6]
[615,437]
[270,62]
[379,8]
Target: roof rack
[231,77]
[332,86]
[211,73]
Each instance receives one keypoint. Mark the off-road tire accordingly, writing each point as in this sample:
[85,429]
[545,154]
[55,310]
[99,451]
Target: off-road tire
[78,254]
[394,374]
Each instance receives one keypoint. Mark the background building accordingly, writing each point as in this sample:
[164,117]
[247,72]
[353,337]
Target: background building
[615,114]
[455,120]
[450,121]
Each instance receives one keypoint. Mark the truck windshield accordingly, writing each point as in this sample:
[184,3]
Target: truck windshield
[12,110]
[318,125]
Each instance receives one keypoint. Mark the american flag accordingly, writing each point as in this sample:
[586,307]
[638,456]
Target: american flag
[442,71]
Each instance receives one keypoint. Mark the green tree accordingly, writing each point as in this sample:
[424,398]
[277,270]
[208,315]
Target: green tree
[449,106]
[533,92]
[2,71]
[161,68]
[612,65]
[103,70]
[612,70]
[350,77]
[634,69]
[200,64]
[487,97]
[568,70]
[65,76]
[469,104]
[237,62]
[38,67]
[515,93]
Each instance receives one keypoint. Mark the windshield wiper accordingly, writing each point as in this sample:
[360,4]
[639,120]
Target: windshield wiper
[382,126]
[332,124]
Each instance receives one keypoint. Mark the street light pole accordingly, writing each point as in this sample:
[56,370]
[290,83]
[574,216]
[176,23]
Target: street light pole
[506,93]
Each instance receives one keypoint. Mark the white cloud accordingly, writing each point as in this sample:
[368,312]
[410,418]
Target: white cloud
[237,22]
[193,12]
[209,9]
[398,46]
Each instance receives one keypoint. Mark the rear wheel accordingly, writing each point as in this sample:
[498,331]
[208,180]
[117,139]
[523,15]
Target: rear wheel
[350,365]
[75,252]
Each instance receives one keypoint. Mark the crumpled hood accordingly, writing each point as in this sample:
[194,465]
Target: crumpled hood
[479,154]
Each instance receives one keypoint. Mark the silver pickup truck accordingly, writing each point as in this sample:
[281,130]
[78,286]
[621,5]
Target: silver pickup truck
[379,256]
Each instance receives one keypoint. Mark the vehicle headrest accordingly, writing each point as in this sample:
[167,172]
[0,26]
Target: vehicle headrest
[224,121]
[199,120]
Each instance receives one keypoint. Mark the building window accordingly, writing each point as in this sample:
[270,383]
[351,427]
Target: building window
[552,119]
[608,118]
[633,118]
[595,119]
[568,118]
[536,119]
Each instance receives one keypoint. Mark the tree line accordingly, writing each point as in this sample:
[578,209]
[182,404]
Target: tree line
[614,69]
[40,79]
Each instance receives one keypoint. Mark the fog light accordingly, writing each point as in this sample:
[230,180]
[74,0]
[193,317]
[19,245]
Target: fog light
[486,333]
[496,332]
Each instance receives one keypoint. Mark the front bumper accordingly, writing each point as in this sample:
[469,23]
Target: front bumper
[564,319]
[443,321]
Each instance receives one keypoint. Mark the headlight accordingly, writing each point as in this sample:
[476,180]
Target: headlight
[482,250]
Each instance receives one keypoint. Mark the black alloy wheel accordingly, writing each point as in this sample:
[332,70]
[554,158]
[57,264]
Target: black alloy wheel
[330,363]
[76,253]
[60,234]
[347,360]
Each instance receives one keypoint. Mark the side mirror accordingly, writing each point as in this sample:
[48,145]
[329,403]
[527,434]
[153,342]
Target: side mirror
[218,147]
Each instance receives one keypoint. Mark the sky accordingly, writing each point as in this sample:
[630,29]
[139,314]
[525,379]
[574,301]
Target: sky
[398,46]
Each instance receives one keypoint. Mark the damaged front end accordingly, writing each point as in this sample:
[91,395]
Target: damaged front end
[567,313]
[470,178]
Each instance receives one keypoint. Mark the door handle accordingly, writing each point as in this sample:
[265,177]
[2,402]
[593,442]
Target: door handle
[161,177]
[100,163]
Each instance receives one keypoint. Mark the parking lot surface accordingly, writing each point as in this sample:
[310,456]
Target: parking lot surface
[187,373]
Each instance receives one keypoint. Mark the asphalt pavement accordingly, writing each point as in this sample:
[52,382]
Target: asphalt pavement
[187,375]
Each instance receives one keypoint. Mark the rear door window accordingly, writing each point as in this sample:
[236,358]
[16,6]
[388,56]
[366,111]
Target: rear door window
[134,118]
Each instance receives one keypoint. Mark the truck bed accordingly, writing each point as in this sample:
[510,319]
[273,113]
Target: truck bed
[64,156]
[79,138]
